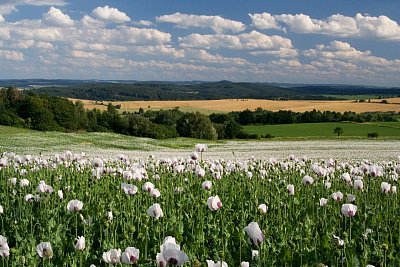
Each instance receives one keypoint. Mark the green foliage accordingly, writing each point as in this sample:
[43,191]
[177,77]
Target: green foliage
[196,125]
[48,113]
[298,231]
[232,129]
[338,131]
[372,135]
[137,125]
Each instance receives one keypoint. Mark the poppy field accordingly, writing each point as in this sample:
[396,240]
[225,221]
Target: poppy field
[77,210]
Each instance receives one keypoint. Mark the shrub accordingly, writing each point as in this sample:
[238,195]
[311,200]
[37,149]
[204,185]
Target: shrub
[268,136]
[372,135]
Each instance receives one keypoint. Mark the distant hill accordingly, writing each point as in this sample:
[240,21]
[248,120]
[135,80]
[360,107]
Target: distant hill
[173,91]
[347,90]
[190,90]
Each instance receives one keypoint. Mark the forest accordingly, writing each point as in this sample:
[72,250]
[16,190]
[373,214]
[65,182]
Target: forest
[25,109]
[124,91]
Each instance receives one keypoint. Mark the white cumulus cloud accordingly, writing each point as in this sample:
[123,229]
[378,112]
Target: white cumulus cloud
[341,56]
[9,6]
[359,26]
[264,21]
[11,55]
[216,23]
[55,17]
[110,14]
[246,41]
[89,22]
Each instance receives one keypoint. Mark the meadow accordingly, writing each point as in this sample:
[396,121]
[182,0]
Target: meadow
[70,209]
[325,130]
[227,105]
[25,141]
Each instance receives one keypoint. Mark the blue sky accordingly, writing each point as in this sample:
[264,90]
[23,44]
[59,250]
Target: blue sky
[314,41]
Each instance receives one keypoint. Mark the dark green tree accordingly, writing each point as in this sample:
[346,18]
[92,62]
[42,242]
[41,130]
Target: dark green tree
[196,125]
[338,131]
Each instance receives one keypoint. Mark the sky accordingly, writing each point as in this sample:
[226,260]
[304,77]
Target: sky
[283,41]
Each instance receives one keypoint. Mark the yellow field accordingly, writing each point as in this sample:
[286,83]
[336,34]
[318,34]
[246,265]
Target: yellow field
[226,105]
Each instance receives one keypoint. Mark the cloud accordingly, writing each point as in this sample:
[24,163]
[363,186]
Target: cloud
[55,17]
[1,19]
[341,56]
[145,23]
[359,26]
[283,52]
[9,6]
[201,55]
[4,34]
[246,41]
[11,55]
[89,22]
[264,21]
[216,23]
[110,14]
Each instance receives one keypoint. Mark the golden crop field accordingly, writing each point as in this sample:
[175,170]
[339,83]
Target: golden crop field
[227,105]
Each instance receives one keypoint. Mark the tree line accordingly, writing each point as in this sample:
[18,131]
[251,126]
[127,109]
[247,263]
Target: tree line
[49,113]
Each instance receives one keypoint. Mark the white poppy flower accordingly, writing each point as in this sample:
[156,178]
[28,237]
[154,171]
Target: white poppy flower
[199,172]
[214,203]
[4,248]
[290,189]
[323,202]
[13,181]
[262,208]
[394,189]
[346,177]
[24,182]
[155,211]
[112,256]
[206,185]
[44,250]
[351,197]
[174,256]
[328,184]
[337,196]
[155,193]
[201,147]
[254,254]
[74,205]
[349,210]
[148,186]
[339,242]
[129,189]
[254,232]
[308,180]
[130,255]
[128,175]
[80,243]
[211,263]
[97,163]
[385,187]
[358,185]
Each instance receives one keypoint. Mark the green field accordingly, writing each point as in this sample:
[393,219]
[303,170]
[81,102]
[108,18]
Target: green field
[325,130]
[20,140]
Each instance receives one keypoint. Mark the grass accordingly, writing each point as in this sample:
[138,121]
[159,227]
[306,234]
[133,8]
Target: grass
[325,130]
[19,139]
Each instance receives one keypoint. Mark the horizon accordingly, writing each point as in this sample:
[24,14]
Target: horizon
[319,43]
[277,84]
